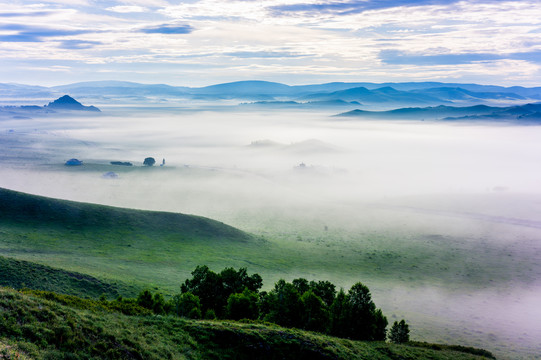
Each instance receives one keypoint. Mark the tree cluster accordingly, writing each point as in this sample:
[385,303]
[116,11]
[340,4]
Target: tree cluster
[310,305]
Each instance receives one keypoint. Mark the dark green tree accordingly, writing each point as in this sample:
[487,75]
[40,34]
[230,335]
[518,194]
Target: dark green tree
[367,322]
[236,281]
[400,332]
[315,315]
[242,305]
[325,290]
[301,285]
[144,299]
[158,304]
[285,306]
[207,285]
[214,289]
[379,326]
[263,305]
[340,311]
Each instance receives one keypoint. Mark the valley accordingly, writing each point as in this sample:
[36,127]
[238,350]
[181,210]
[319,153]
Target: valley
[439,220]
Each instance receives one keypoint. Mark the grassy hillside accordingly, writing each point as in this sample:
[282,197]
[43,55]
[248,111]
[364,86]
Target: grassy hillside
[35,211]
[37,328]
[19,274]
[160,249]
[141,247]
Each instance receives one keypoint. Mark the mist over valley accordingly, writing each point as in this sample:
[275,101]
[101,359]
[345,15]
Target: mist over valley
[441,219]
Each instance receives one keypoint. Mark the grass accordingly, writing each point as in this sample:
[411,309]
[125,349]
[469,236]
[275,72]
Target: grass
[33,327]
[144,248]
[158,249]
[20,274]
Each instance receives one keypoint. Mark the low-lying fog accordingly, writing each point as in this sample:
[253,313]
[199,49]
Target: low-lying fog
[472,188]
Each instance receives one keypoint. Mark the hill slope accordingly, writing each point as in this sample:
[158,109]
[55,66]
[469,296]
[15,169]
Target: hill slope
[19,274]
[44,329]
[141,247]
[20,208]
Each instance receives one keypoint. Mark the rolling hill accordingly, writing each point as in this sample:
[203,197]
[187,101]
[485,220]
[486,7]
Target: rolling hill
[114,244]
[28,210]
[380,95]
[457,93]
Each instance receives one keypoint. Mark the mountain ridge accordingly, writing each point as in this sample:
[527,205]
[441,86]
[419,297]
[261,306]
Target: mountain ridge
[428,93]
[443,112]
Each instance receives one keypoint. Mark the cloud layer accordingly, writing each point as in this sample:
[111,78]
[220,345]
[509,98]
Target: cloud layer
[207,41]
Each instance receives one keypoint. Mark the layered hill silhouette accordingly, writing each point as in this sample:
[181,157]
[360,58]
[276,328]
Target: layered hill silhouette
[528,112]
[278,94]
[385,94]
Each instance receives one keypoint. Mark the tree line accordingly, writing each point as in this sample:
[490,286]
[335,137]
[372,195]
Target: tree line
[310,305]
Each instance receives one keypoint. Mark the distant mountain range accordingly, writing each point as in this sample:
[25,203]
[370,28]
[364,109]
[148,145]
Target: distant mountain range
[525,113]
[371,95]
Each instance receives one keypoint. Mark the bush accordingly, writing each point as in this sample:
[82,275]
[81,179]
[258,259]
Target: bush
[210,315]
[187,305]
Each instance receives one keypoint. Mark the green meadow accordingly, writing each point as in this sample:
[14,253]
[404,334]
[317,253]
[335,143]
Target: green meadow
[123,251]
[161,249]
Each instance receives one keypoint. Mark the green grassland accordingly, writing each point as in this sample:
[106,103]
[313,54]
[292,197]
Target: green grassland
[19,274]
[143,248]
[157,249]
[129,250]
[33,327]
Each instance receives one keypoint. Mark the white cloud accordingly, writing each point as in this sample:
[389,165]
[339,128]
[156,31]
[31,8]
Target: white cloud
[145,3]
[127,9]
[343,45]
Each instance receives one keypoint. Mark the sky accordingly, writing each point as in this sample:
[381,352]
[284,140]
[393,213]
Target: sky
[204,42]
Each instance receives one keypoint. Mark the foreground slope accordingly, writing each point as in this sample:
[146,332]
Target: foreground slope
[42,329]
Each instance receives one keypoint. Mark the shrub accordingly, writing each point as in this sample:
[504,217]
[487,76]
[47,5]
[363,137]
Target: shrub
[187,305]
